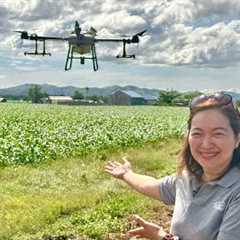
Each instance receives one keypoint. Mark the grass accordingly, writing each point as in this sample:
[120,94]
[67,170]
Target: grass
[76,197]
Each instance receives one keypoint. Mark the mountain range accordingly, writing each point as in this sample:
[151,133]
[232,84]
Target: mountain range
[52,90]
[22,90]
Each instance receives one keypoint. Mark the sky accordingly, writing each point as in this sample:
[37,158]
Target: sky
[189,44]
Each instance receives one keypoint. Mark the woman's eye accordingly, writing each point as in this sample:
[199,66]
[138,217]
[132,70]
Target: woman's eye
[196,134]
[218,134]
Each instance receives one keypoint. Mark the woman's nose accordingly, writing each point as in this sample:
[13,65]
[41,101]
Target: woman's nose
[206,141]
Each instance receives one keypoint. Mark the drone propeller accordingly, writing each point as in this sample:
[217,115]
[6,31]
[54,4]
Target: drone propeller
[16,43]
[141,33]
[135,38]
[24,34]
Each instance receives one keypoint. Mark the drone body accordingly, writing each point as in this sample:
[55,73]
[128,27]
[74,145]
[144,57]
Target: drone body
[81,46]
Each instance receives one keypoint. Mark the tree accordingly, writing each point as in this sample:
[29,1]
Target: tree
[78,95]
[185,98]
[94,98]
[238,103]
[175,98]
[35,94]
[167,97]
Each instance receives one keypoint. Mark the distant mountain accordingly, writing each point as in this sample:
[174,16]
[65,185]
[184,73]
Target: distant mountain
[22,90]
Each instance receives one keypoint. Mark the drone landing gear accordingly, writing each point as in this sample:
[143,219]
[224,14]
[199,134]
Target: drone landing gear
[70,57]
[43,53]
[124,55]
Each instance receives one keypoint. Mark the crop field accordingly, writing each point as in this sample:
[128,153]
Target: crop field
[37,133]
[52,179]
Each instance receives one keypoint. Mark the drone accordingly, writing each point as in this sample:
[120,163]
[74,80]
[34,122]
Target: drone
[81,46]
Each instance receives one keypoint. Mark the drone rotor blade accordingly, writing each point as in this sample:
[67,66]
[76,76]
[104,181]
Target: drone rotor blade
[19,43]
[24,34]
[135,38]
[141,33]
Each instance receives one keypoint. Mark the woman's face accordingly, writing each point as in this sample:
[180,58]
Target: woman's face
[212,140]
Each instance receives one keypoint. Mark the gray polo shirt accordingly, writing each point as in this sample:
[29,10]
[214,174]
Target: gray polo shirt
[209,211]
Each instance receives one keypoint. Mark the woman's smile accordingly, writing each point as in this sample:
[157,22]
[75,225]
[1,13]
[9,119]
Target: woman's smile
[212,141]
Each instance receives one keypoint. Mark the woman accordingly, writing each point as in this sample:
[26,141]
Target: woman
[206,189]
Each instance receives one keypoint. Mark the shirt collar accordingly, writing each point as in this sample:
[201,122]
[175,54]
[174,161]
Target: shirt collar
[227,180]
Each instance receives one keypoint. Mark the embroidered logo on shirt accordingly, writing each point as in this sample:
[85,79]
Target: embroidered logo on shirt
[219,205]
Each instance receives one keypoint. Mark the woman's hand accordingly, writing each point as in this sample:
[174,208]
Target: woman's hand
[146,230]
[118,170]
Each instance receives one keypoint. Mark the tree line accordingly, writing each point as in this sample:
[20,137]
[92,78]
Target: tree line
[165,98]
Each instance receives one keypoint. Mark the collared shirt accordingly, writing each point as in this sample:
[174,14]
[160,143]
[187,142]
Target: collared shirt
[209,211]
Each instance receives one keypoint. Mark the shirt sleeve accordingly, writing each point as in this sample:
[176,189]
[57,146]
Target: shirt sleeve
[167,188]
[230,227]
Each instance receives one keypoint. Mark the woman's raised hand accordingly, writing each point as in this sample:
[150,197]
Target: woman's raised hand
[118,170]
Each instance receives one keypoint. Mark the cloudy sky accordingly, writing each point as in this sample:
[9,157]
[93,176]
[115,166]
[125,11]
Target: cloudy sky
[189,45]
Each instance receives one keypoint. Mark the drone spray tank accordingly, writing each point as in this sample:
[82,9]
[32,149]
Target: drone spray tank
[82,44]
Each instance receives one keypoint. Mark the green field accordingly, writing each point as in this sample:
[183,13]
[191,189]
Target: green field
[52,157]
[38,133]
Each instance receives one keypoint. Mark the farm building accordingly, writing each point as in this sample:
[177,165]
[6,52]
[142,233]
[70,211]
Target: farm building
[149,99]
[122,97]
[60,100]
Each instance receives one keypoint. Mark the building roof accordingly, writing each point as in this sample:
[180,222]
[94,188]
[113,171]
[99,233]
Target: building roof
[137,95]
[130,93]
[149,97]
[60,98]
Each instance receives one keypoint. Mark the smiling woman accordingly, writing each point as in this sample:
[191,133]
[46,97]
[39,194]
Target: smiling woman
[212,142]
[206,188]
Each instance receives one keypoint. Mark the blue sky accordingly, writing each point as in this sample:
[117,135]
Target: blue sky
[190,45]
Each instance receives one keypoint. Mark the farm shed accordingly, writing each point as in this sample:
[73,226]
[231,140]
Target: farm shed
[60,100]
[121,97]
[149,99]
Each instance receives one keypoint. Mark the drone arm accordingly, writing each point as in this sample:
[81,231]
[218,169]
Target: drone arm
[36,38]
[108,40]
[43,38]
[124,41]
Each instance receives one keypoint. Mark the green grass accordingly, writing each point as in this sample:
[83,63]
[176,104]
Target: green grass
[75,196]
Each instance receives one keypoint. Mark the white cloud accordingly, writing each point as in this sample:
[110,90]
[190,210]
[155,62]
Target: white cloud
[180,32]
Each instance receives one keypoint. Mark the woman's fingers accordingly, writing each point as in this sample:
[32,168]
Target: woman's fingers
[111,164]
[117,164]
[138,232]
[114,164]
[109,167]
[125,160]
[139,220]
[108,171]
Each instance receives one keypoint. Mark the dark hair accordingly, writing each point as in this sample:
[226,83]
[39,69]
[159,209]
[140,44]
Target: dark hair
[187,161]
